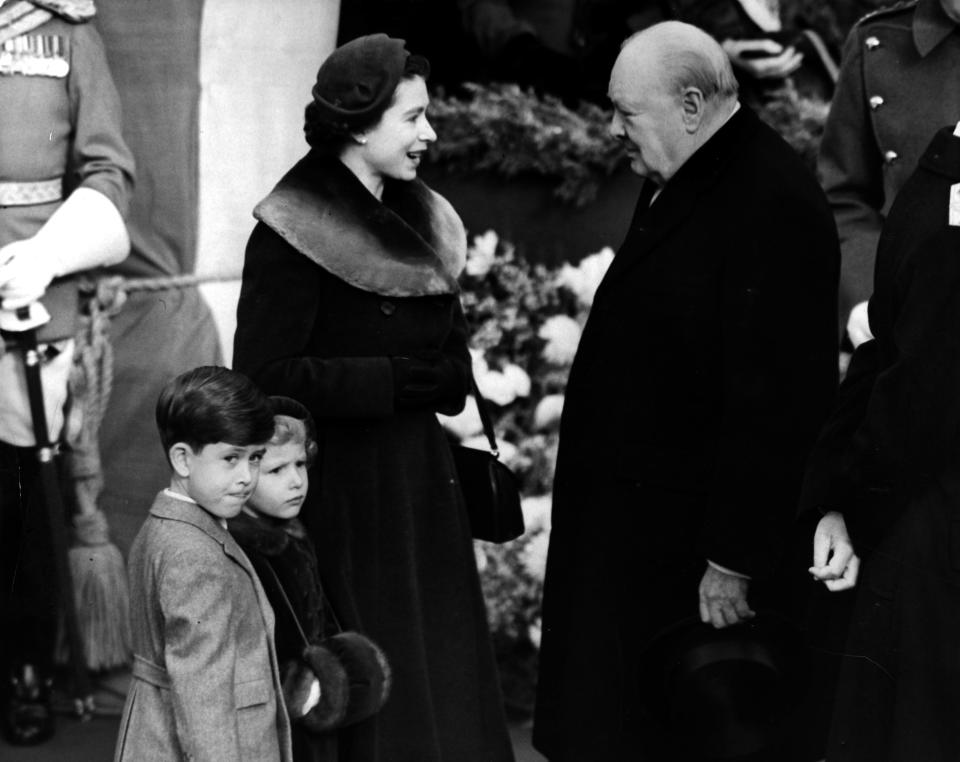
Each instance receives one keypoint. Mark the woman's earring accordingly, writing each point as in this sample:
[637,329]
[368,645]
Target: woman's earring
[361,141]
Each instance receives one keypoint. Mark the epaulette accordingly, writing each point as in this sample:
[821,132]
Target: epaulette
[887,10]
[76,11]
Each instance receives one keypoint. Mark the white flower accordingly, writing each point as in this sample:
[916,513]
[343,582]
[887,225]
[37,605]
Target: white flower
[547,414]
[464,424]
[562,334]
[535,632]
[536,512]
[534,555]
[481,255]
[519,378]
[481,557]
[496,387]
[584,279]
[478,362]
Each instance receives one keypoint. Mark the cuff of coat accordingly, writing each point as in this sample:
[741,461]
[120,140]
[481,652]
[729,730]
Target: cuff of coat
[725,570]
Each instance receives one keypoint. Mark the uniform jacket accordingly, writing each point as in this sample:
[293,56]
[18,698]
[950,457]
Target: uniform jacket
[335,283]
[892,95]
[888,460]
[704,371]
[206,685]
[60,126]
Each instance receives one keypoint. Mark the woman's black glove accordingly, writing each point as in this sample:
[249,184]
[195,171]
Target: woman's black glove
[424,380]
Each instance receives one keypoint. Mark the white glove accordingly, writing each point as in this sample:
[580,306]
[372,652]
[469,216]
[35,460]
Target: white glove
[763,59]
[26,269]
[858,325]
[313,698]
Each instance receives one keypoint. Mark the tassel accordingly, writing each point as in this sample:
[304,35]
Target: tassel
[101,594]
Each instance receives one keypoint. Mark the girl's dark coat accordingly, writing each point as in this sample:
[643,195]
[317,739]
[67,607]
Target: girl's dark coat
[335,283]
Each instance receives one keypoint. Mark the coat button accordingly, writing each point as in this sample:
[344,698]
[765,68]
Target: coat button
[876,101]
[889,157]
[872,42]
[388,308]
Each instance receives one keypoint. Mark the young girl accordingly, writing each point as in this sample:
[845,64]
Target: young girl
[344,677]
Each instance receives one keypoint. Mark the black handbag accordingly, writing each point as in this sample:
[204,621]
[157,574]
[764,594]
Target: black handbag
[490,489]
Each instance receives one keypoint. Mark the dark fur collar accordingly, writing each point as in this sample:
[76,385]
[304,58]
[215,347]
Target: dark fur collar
[411,244]
[259,535]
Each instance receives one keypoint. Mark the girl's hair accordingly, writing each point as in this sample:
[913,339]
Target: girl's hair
[287,429]
[329,138]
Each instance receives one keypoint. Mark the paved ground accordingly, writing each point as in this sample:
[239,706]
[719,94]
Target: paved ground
[93,741]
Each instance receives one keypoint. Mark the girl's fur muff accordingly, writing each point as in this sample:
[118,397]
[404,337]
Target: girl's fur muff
[354,677]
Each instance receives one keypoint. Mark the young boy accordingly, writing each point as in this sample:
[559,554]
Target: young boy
[206,685]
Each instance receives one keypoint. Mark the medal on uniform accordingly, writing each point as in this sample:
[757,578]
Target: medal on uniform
[34,55]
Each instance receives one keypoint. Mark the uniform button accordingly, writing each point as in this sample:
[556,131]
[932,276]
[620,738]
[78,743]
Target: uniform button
[578,40]
[890,156]
[876,101]
[872,42]
[388,308]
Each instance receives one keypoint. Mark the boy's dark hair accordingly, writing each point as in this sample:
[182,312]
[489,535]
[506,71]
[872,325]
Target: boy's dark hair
[211,404]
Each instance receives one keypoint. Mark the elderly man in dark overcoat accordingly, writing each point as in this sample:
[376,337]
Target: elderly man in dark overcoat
[706,367]
[885,474]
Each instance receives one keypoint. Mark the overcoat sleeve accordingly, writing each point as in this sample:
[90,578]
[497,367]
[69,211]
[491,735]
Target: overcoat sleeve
[778,379]
[99,157]
[200,654]
[850,168]
[279,302]
[909,424]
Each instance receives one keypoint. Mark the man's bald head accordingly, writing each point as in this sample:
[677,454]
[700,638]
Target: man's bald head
[682,56]
[672,88]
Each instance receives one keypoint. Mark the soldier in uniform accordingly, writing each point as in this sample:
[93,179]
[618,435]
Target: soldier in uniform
[65,180]
[897,79]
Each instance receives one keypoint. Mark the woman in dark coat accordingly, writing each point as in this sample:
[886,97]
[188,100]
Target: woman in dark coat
[350,305]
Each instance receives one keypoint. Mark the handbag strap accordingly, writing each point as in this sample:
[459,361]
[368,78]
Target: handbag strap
[324,601]
[286,601]
[485,418]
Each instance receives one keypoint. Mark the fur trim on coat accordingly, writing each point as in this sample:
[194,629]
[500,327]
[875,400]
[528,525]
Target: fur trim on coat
[410,244]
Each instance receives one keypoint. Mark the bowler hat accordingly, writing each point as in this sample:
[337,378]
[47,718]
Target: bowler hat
[727,694]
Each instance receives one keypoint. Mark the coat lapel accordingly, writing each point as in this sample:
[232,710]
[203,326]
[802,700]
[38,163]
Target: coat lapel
[167,507]
[410,244]
[654,224]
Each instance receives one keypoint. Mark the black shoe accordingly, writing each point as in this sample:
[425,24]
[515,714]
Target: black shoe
[27,714]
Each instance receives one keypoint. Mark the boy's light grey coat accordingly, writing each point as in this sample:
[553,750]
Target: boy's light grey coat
[206,682]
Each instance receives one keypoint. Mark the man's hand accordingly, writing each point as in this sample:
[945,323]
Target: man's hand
[26,269]
[858,325]
[763,59]
[723,598]
[834,562]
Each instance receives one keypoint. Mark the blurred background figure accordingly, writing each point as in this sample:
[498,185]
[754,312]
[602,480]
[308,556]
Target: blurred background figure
[892,91]
[66,176]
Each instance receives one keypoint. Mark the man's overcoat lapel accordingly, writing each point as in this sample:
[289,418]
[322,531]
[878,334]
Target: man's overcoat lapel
[653,224]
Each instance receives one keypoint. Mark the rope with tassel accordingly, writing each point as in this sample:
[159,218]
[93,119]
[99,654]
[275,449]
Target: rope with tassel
[97,565]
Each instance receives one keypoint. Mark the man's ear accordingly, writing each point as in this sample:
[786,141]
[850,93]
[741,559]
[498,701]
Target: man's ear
[693,104]
[181,457]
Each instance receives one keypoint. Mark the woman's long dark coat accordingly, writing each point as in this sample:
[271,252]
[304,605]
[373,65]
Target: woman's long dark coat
[334,284]
[889,460]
